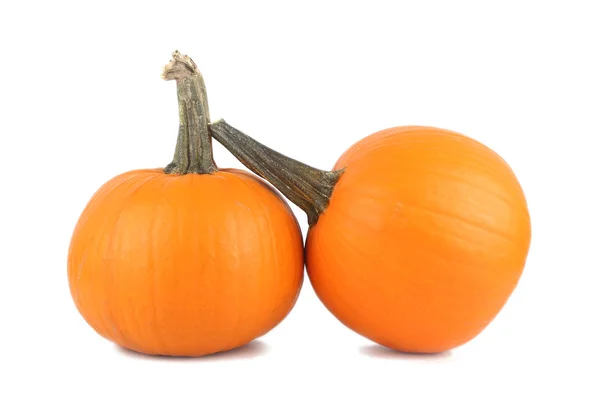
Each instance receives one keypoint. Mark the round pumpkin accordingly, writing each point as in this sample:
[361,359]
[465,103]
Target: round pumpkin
[417,237]
[185,265]
[424,239]
[188,260]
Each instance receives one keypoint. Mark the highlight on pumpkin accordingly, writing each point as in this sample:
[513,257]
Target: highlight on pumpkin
[417,237]
[189,259]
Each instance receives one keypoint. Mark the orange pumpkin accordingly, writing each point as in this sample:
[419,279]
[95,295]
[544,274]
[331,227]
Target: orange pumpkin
[189,260]
[417,238]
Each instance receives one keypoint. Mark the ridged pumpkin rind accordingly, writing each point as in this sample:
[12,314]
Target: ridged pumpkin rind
[185,265]
[425,238]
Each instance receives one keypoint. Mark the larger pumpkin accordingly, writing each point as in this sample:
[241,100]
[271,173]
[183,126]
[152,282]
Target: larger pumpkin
[190,260]
[418,237]
[430,231]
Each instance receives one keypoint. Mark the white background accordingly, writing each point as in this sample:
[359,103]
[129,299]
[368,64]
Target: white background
[81,100]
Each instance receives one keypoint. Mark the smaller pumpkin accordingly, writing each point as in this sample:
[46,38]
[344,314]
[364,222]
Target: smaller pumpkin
[187,260]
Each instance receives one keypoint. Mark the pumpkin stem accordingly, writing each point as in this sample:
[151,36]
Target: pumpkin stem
[307,187]
[193,152]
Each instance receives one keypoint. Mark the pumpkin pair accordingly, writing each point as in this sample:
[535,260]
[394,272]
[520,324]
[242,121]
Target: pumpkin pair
[417,238]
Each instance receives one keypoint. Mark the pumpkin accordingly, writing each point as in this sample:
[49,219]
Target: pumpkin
[188,260]
[417,237]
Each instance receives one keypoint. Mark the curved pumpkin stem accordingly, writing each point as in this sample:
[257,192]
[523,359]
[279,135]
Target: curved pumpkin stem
[193,152]
[307,187]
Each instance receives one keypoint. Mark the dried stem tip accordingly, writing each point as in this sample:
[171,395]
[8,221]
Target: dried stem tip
[179,67]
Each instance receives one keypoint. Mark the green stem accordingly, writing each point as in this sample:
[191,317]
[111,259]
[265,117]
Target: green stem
[307,187]
[193,152]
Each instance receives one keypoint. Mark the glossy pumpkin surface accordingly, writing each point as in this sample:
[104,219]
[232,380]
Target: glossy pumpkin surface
[424,239]
[185,264]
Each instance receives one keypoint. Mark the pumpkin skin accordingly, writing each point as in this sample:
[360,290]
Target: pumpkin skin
[424,239]
[185,265]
